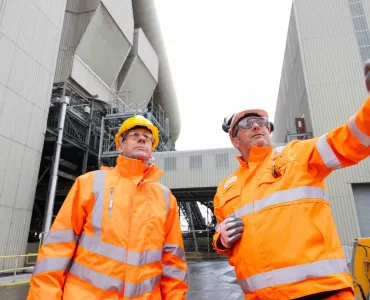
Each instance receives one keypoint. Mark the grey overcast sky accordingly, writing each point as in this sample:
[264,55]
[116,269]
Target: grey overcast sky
[225,56]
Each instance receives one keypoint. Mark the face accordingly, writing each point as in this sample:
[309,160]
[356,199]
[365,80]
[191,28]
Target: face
[137,144]
[251,132]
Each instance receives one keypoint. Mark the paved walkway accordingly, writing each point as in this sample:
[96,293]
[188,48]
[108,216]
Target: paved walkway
[210,280]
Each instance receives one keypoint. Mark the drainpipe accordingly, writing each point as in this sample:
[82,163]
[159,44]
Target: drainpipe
[63,102]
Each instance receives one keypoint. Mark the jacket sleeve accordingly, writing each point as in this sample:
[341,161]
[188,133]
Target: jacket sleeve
[174,282]
[217,236]
[59,245]
[344,146]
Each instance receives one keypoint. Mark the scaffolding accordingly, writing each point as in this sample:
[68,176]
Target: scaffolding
[80,138]
[117,112]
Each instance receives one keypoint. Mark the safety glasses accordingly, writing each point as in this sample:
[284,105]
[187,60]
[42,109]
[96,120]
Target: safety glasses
[137,135]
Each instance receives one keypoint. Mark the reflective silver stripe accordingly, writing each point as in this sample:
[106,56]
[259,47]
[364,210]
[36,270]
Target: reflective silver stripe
[97,279]
[133,258]
[278,149]
[139,259]
[60,236]
[51,264]
[284,196]
[166,195]
[99,183]
[362,137]
[294,274]
[133,290]
[327,154]
[94,245]
[174,272]
[175,250]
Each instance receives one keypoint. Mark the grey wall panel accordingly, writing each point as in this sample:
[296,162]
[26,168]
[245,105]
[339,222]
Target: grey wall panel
[362,196]
[29,39]
[216,165]
[319,18]
[146,17]
[74,26]
[140,84]
[103,46]
[6,222]
[334,90]
[292,99]
[145,51]
[121,12]
[79,6]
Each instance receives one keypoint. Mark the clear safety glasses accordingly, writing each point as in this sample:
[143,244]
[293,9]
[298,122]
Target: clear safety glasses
[137,135]
[249,122]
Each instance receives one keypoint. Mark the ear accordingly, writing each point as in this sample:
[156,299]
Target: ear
[235,142]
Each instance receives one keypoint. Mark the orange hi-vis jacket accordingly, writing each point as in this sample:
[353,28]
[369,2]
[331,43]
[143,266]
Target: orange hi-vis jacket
[117,236]
[290,247]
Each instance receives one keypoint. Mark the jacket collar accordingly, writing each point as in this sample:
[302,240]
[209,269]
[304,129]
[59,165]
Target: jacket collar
[256,155]
[128,167]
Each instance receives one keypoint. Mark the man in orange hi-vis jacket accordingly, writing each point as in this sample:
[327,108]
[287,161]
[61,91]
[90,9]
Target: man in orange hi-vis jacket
[274,218]
[117,235]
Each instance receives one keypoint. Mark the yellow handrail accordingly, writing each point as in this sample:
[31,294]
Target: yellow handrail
[16,267]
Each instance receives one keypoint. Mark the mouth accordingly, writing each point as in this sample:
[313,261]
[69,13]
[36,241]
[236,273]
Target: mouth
[258,134]
[141,148]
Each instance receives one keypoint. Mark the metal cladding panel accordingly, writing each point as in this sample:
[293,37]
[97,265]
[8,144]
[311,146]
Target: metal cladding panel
[140,84]
[103,46]
[74,27]
[27,27]
[292,98]
[4,155]
[6,214]
[79,6]
[121,12]
[29,39]
[12,173]
[27,179]
[18,231]
[334,83]
[323,18]
[85,77]
[145,17]
[145,51]
[7,48]
[208,176]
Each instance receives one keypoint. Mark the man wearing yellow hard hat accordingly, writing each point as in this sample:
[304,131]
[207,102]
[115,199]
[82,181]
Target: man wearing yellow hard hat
[117,235]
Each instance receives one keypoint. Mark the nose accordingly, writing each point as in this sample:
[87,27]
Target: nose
[255,126]
[141,138]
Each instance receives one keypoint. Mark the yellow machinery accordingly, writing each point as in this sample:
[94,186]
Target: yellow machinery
[361,268]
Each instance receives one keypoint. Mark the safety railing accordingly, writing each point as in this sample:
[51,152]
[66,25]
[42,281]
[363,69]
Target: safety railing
[21,262]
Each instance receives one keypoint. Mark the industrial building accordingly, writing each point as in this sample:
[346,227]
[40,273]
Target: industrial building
[88,65]
[322,86]
[71,72]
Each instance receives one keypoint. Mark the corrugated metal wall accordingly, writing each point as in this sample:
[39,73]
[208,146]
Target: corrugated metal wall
[334,82]
[29,39]
[197,168]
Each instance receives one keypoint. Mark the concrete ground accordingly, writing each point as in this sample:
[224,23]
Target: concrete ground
[213,280]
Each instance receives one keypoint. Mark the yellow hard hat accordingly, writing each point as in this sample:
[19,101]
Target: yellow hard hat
[134,121]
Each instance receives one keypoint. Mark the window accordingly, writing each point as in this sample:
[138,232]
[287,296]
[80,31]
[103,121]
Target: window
[195,162]
[361,28]
[170,164]
[222,161]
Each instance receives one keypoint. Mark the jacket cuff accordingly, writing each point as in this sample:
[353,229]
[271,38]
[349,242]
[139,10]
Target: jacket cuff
[217,245]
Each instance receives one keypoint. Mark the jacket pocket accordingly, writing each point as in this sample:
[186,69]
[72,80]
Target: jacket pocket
[230,199]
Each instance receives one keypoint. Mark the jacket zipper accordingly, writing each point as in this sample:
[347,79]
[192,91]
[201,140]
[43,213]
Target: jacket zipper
[110,207]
